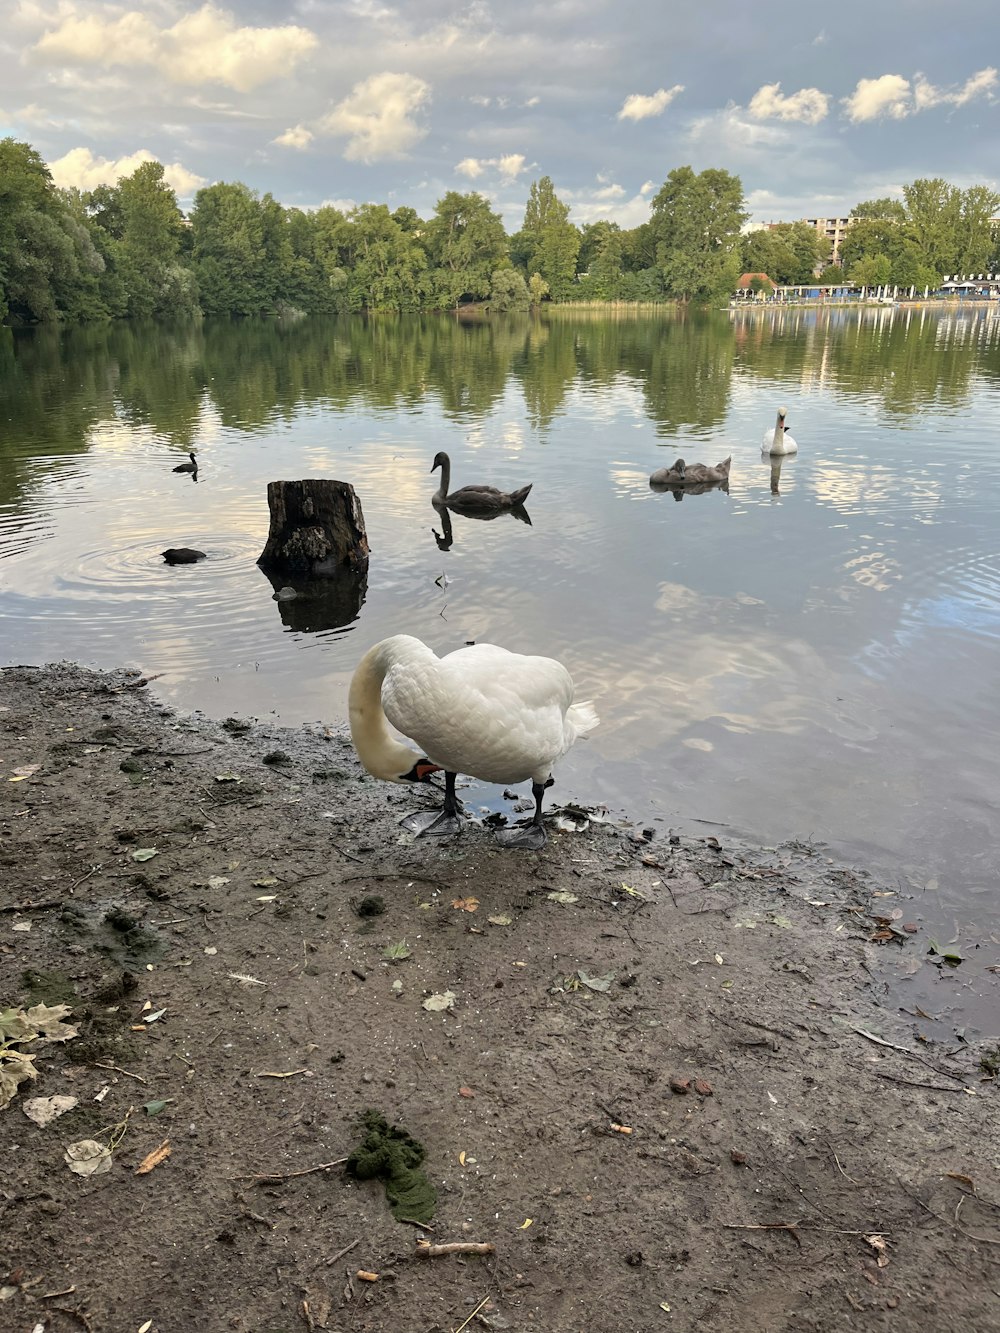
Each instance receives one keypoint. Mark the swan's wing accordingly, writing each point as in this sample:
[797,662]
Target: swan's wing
[486,712]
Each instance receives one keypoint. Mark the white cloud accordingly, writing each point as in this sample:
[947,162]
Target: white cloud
[297,137]
[377,117]
[888,95]
[509,166]
[204,46]
[80,169]
[980,84]
[808,105]
[891,95]
[647,188]
[640,106]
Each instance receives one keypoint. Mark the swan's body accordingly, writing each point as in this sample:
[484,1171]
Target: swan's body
[473,499]
[494,715]
[779,441]
[188,467]
[691,474]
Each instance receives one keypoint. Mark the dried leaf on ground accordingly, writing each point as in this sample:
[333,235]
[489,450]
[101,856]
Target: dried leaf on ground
[595,983]
[881,1250]
[438,1003]
[500,919]
[465,904]
[43,1110]
[87,1157]
[144,854]
[564,898]
[154,1158]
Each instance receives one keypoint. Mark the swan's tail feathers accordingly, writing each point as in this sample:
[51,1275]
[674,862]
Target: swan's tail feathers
[519,497]
[582,717]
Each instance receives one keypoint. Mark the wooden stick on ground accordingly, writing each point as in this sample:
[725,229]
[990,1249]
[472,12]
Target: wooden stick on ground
[287,1175]
[428,1250]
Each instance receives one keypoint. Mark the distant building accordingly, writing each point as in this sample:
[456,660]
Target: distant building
[753,285]
[834,229]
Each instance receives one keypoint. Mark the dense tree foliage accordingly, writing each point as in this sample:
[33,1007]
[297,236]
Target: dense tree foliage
[935,229]
[127,249]
[788,252]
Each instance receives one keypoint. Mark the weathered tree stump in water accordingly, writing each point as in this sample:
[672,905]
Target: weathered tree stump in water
[317,528]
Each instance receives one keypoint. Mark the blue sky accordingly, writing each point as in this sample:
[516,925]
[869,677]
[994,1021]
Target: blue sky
[323,101]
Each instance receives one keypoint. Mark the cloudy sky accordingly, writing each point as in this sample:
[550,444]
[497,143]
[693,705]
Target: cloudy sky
[353,101]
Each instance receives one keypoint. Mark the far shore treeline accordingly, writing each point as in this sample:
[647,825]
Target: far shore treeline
[127,250]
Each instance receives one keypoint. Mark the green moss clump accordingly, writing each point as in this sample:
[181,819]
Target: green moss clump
[393,1156]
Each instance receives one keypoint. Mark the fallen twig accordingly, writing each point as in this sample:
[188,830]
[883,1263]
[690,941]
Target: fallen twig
[466,1322]
[340,1253]
[912,1083]
[32,907]
[429,1251]
[127,1072]
[288,1175]
[790,1227]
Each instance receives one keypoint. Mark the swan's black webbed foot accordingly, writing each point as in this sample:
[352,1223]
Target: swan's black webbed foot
[435,823]
[443,823]
[525,837]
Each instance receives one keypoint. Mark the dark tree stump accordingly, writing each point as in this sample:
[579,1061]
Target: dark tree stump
[317,529]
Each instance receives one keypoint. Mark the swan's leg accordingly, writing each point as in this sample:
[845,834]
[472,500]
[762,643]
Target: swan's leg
[444,823]
[528,837]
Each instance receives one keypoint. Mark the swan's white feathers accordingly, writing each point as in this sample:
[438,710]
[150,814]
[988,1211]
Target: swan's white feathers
[483,711]
[778,440]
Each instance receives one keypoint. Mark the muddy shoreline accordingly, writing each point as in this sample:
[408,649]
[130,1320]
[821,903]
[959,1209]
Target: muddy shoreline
[669,1089]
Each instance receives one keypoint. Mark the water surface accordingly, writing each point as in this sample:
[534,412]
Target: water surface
[812,654]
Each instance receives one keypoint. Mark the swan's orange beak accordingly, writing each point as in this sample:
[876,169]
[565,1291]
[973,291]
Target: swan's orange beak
[421,771]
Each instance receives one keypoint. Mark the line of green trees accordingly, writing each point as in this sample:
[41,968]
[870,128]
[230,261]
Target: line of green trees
[127,250]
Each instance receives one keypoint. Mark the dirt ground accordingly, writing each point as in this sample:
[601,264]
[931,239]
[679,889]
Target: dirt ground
[673,1096]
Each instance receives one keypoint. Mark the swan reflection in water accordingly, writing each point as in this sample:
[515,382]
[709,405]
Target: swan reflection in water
[446,537]
[777,463]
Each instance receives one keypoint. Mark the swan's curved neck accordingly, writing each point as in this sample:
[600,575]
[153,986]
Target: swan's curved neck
[445,477]
[382,755]
[779,430]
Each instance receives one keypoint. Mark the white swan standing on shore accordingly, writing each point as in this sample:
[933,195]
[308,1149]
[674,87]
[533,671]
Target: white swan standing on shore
[779,441]
[481,710]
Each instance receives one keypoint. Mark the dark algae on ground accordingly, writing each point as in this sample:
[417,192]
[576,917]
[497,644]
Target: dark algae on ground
[388,1153]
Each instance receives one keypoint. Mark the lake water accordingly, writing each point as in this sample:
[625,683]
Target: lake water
[814,655]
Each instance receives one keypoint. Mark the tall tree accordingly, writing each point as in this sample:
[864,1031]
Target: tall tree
[386,265]
[933,213]
[977,229]
[228,233]
[150,244]
[465,242]
[696,220]
[548,243]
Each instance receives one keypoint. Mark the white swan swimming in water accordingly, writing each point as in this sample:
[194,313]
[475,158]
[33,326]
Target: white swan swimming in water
[779,441]
[481,710]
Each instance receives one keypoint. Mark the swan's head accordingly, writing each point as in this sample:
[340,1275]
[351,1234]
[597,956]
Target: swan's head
[440,460]
[420,772]
[782,413]
[679,466]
